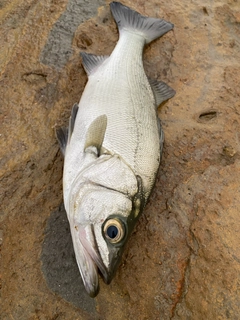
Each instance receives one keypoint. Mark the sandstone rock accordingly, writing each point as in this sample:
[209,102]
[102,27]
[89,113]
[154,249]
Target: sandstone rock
[182,261]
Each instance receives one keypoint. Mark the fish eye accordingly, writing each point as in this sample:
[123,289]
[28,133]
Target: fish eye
[114,230]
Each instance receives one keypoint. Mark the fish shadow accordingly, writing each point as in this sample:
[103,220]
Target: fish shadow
[59,265]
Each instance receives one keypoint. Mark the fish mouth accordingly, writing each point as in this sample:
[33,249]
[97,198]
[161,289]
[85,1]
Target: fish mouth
[89,260]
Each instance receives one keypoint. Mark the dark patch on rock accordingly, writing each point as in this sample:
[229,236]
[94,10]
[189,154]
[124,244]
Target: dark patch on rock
[59,265]
[83,41]
[47,95]
[58,48]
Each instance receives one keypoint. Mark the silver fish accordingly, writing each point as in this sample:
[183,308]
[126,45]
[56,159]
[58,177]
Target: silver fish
[112,147]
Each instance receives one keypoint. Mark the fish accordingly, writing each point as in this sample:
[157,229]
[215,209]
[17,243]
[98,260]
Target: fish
[112,147]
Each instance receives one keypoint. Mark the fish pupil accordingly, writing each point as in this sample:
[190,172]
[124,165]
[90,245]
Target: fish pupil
[112,232]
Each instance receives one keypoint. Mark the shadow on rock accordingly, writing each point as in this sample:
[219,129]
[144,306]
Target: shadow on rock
[59,265]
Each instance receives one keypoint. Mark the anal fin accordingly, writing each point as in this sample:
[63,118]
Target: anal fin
[161,91]
[161,136]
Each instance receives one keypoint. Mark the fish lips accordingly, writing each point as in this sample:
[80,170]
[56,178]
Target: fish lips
[89,260]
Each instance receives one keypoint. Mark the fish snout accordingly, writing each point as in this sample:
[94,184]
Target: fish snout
[89,258]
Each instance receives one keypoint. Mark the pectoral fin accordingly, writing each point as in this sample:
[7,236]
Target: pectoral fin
[95,134]
[161,91]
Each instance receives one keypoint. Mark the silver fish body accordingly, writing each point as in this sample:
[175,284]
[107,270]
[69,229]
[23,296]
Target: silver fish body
[113,147]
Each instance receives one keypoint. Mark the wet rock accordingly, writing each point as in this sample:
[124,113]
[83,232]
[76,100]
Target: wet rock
[182,261]
[58,48]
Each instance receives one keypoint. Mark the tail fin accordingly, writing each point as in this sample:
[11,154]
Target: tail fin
[129,19]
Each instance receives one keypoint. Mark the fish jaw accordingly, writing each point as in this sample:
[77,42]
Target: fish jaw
[86,264]
[115,255]
[89,259]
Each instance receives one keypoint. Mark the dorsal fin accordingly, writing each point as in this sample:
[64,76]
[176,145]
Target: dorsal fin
[95,134]
[91,62]
[62,137]
[64,134]
[72,120]
[161,91]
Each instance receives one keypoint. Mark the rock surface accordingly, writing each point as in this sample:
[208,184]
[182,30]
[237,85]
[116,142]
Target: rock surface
[183,260]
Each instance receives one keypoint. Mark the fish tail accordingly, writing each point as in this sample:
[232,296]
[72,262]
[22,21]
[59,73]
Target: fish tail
[128,19]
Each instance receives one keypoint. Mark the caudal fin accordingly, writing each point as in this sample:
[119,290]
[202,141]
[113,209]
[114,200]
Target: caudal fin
[149,28]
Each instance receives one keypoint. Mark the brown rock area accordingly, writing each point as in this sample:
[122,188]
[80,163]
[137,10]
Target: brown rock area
[183,259]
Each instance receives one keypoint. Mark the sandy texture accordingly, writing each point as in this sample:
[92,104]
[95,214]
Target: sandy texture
[183,260]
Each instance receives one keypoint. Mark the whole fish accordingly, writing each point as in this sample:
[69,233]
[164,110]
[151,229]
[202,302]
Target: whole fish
[112,147]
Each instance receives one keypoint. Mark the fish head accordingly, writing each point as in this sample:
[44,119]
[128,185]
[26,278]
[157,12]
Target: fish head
[101,222]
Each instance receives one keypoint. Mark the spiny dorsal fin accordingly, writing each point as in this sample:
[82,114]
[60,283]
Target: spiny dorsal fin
[91,62]
[62,137]
[96,132]
[64,134]
[161,91]
[72,119]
